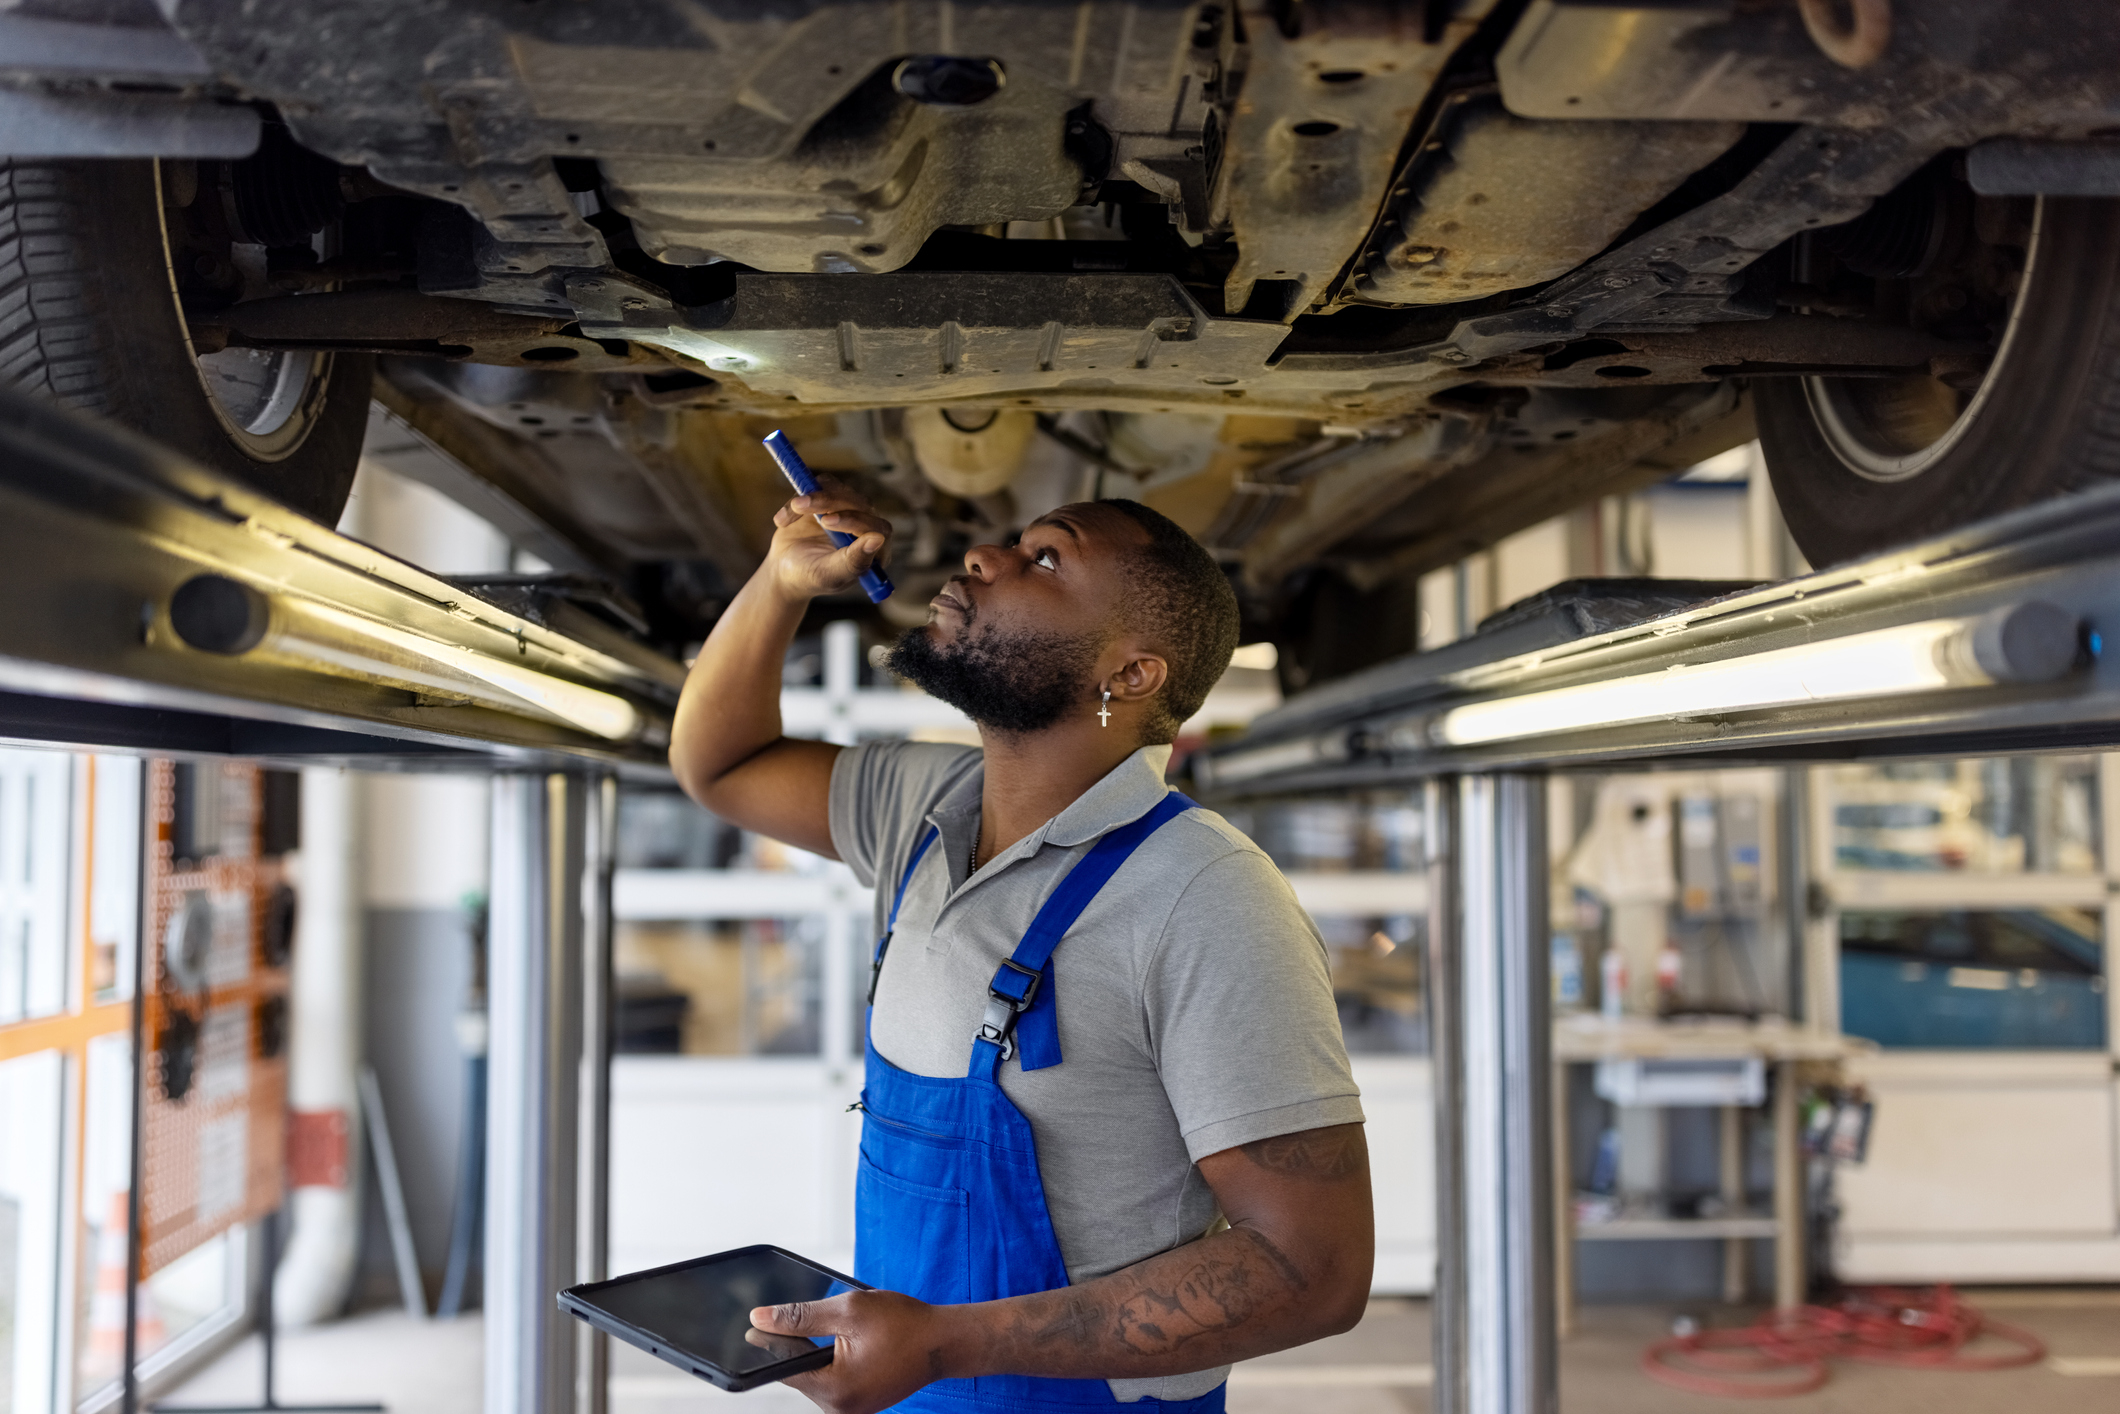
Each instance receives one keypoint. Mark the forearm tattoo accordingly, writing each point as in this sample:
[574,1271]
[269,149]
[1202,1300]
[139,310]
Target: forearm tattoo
[1239,1274]
[1219,1293]
[1200,1295]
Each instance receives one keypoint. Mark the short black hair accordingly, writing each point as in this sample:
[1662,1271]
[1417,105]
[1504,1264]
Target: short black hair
[1180,598]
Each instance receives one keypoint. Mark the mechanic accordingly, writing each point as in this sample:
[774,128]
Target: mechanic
[1111,1140]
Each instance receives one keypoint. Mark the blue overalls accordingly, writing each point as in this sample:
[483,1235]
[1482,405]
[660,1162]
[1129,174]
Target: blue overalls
[948,1204]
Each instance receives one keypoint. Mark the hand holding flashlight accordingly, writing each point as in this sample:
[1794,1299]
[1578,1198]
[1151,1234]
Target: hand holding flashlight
[873,581]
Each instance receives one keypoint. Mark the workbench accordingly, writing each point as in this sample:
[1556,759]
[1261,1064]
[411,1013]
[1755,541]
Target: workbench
[1582,1039]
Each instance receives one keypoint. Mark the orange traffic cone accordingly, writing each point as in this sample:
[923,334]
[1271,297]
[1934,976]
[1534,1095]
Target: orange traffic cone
[106,1309]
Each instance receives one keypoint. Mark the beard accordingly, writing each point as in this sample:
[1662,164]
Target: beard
[1012,682]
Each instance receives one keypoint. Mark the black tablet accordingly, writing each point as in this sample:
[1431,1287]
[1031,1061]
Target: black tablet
[697,1314]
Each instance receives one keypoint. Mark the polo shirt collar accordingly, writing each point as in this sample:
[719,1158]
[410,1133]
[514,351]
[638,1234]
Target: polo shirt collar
[1127,792]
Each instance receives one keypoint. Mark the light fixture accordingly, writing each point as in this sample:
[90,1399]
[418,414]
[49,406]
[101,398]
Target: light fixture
[335,638]
[217,614]
[2023,643]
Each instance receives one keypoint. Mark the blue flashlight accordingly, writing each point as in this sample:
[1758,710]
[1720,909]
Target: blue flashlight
[873,582]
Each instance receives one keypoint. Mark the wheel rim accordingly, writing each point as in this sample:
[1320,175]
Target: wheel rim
[266,400]
[258,391]
[1894,429]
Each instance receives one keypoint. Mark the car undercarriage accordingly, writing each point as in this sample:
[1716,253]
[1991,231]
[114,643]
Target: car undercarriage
[1350,290]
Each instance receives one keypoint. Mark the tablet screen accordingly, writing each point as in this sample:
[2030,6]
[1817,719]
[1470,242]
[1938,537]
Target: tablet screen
[704,1310]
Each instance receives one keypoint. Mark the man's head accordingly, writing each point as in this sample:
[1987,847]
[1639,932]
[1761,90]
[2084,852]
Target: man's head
[1102,593]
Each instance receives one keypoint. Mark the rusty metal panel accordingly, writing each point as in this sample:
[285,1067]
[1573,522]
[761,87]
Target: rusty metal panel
[1495,202]
[868,193]
[2010,62]
[1320,119]
[811,157]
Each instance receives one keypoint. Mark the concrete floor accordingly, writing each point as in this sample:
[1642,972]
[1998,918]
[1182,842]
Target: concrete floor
[383,1357]
[1380,1367]
[1601,1372]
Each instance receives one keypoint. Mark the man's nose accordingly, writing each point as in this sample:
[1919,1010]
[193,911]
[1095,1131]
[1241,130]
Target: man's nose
[985,561]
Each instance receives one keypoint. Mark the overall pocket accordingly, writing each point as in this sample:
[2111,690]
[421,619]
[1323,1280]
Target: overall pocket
[910,1237]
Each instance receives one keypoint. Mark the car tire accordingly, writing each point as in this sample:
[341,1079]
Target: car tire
[2044,420]
[89,316]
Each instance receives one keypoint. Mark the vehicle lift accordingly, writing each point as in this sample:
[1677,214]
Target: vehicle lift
[163,609]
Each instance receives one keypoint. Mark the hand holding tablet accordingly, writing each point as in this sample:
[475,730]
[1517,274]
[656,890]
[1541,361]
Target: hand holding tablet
[697,1314]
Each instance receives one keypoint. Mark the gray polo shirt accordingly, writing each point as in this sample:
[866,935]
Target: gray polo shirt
[1195,1006]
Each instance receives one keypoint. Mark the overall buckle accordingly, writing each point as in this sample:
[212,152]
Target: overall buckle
[1031,979]
[998,1025]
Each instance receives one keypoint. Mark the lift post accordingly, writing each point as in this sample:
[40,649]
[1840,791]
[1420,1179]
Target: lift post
[1446,1010]
[1495,1350]
[548,1141]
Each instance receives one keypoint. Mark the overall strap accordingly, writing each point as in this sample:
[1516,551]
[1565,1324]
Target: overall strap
[1021,1009]
[883,944]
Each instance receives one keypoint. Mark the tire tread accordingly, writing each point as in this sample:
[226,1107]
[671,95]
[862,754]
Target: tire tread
[2097,450]
[51,315]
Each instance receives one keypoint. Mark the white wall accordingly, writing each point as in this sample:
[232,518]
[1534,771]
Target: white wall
[1719,523]
[423,855]
[1699,530]
[31,1090]
[419,524]
[1531,560]
[423,840]
[424,837]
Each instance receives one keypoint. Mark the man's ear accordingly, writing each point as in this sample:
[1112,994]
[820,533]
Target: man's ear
[1141,677]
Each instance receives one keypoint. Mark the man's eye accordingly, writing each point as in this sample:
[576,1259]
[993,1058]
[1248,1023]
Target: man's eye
[1047,558]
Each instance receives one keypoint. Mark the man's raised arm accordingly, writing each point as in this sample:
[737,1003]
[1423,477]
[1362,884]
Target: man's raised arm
[726,747]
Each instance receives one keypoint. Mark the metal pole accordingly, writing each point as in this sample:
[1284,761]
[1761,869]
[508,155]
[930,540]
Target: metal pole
[1504,1152]
[1445,1038]
[534,1134]
[1731,1161]
[1563,1207]
[1790,1237]
[1795,889]
[136,1158]
[598,1021]
[1527,1037]
[268,1328]
[842,678]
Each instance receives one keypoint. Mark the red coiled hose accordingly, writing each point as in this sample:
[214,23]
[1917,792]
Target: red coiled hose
[1786,1352]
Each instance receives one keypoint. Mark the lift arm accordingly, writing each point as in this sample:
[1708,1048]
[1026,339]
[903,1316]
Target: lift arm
[1988,639]
[181,610]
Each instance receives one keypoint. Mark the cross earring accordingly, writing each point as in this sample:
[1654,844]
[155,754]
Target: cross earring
[1104,709]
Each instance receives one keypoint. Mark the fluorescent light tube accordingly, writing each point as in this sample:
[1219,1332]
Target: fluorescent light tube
[217,614]
[2023,643]
[367,648]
